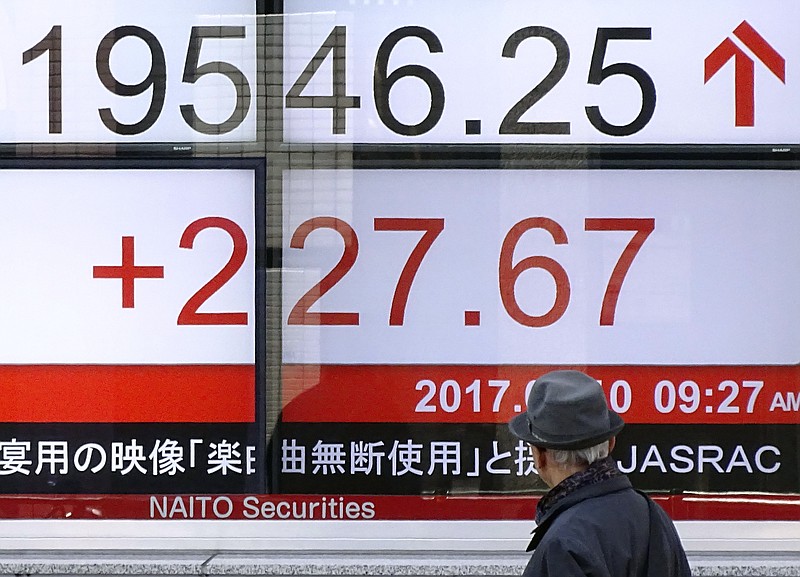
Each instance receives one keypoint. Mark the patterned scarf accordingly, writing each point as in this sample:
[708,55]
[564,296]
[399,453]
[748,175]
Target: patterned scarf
[598,471]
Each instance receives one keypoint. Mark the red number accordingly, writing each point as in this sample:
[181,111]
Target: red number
[431,227]
[299,314]
[642,228]
[189,314]
[509,272]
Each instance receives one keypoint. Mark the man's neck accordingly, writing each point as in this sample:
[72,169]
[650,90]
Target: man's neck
[559,473]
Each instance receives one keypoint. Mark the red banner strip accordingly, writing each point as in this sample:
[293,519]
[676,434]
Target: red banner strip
[493,394]
[686,507]
[127,394]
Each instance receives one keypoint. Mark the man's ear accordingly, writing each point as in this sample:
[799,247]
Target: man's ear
[611,443]
[539,457]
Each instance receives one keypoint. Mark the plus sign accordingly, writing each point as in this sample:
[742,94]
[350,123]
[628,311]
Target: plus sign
[127,272]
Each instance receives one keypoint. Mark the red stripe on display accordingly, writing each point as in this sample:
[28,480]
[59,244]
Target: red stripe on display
[493,394]
[127,394]
[696,507]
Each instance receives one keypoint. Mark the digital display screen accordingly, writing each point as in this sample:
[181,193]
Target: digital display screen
[129,357]
[128,72]
[420,305]
[521,72]
[305,261]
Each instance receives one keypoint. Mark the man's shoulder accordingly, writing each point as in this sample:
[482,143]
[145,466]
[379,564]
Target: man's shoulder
[611,492]
[595,533]
[585,511]
[603,506]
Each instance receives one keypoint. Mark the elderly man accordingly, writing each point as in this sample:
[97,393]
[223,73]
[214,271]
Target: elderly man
[592,521]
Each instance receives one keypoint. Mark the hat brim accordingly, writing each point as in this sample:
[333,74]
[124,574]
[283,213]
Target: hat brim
[520,426]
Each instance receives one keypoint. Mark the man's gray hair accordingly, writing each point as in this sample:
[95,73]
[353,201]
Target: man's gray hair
[579,457]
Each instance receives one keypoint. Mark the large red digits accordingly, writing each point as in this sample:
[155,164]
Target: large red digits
[189,314]
[299,314]
[642,227]
[510,272]
[431,227]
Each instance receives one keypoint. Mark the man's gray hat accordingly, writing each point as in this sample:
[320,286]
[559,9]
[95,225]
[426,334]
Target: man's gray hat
[566,410]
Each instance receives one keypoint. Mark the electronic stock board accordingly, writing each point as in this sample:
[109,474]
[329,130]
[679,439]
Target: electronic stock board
[611,188]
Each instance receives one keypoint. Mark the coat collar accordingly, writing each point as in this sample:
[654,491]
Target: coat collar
[598,471]
[612,485]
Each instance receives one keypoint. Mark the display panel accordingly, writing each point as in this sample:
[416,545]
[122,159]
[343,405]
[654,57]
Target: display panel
[524,72]
[129,359]
[138,72]
[419,306]
[412,305]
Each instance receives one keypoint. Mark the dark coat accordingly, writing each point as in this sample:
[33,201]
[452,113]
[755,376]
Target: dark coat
[606,530]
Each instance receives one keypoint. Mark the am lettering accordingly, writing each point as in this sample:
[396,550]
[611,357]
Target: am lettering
[786,402]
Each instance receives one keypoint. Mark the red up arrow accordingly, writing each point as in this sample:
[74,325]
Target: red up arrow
[744,76]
